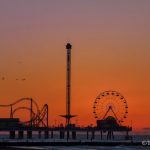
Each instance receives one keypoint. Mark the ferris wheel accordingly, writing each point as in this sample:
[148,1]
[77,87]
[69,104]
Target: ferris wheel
[110,103]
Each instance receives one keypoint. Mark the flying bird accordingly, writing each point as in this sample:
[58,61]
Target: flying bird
[3,78]
[23,79]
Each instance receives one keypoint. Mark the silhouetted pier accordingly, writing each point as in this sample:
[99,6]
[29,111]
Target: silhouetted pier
[64,133]
[38,124]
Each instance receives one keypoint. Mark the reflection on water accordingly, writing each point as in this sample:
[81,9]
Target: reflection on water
[80,136]
[86,148]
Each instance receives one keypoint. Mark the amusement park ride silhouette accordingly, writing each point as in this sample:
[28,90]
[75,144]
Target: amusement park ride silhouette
[110,109]
[38,118]
[110,102]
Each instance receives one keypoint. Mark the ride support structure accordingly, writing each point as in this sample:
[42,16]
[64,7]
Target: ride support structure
[68,115]
[38,118]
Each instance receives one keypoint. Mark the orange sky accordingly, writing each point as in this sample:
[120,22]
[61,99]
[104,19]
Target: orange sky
[110,52]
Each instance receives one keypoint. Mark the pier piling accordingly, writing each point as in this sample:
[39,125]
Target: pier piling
[20,134]
[12,135]
[93,135]
[39,135]
[62,135]
[73,135]
[68,135]
[46,134]
[101,134]
[52,134]
[87,134]
[29,134]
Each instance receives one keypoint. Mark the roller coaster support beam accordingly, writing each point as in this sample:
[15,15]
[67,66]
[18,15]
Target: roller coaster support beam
[47,116]
[11,112]
[31,112]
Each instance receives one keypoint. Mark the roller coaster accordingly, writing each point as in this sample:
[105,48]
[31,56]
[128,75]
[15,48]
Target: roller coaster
[38,117]
[37,120]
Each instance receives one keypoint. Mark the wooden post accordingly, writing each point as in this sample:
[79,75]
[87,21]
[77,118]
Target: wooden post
[68,135]
[74,135]
[62,134]
[101,134]
[29,134]
[52,134]
[87,134]
[39,134]
[93,134]
[46,134]
[12,134]
[20,134]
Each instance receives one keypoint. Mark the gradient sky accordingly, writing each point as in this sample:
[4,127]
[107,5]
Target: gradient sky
[111,51]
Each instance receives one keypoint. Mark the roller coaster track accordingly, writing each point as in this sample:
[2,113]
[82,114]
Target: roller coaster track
[38,119]
[42,118]
[20,100]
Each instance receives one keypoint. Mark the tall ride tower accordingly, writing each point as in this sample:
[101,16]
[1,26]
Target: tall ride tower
[68,115]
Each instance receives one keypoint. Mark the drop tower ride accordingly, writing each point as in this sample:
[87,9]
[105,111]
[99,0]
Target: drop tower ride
[68,115]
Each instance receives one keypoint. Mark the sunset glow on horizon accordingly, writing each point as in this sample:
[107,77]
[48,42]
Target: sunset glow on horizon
[110,51]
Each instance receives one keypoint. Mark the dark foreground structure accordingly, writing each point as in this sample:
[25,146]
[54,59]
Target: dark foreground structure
[22,133]
[17,131]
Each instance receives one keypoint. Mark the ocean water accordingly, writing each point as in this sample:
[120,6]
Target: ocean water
[87,148]
[80,137]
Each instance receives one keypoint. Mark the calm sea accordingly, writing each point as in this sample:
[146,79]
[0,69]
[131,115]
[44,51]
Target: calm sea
[83,138]
[86,148]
